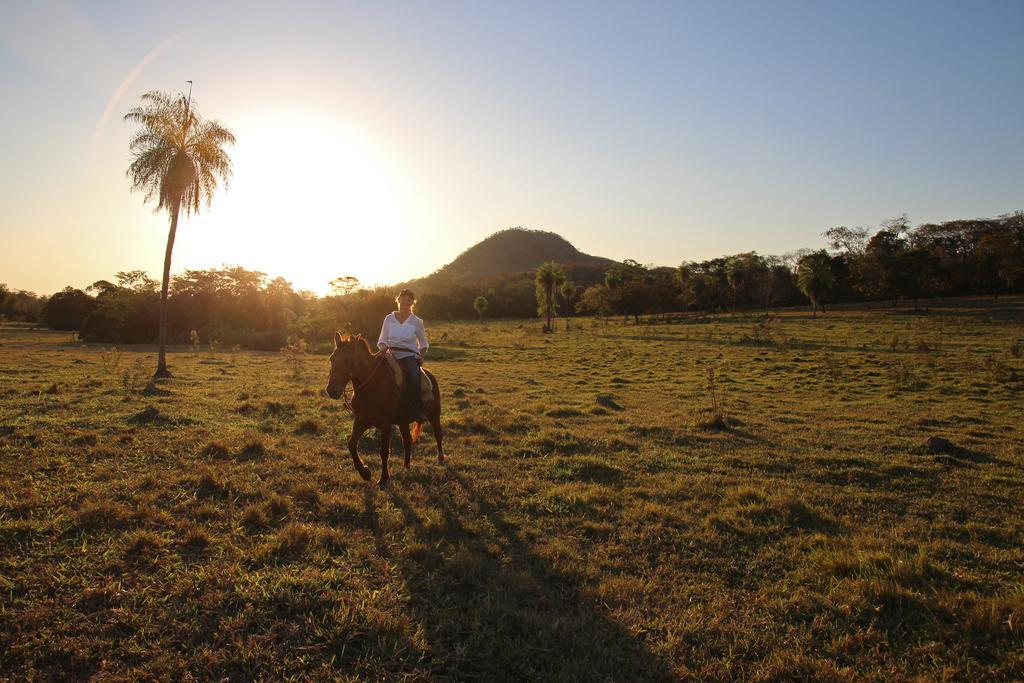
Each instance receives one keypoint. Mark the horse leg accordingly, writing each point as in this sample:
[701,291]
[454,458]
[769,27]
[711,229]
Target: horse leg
[434,415]
[385,451]
[353,447]
[406,442]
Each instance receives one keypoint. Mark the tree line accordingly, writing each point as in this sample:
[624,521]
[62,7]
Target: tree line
[893,263]
[225,306]
[232,305]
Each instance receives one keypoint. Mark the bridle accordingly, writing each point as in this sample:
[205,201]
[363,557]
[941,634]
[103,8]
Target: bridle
[347,401]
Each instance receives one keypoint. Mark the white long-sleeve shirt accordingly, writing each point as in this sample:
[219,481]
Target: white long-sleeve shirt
[408,335]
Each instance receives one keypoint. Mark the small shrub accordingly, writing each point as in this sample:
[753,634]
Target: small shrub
[130,378]
[608,401]
[215,449]
[252,449]
[205,512]
[99,597]
[999,370]
[279,410]
[767,332]
[110,358]
[278,506]
[832,367]
[253,517]
[196,538]
[308,496]
[101,514]
[292,540]
[904,377]
[148,515]
[294,353]
[84,439]
[307,426]
[209,484]
[142,546]
[332,540]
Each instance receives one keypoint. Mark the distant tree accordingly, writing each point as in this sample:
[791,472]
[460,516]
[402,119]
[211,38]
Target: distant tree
[883,265]
[178,158]
[765,277]
[136,280]
[629,288]
[570,295]
[736,270]
[122,315]
[847,240]
[340,286]
[919,274]
[684,277]
[595,300]
[814,277]
[66,309]
[480,306]
[1003,258]
[899,225]
[549,277]
[21,305]
[709,283]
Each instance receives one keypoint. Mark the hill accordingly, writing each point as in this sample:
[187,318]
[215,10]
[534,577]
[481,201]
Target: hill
[509,251]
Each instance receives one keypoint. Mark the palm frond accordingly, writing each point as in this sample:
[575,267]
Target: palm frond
[177,156]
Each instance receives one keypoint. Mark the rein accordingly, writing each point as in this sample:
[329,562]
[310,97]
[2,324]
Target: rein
[347,402]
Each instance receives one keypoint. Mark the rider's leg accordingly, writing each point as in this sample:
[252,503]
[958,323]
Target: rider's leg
[412,377]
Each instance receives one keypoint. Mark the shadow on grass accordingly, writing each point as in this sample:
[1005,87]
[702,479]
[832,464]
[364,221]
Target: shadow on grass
[959,456]
[492,608]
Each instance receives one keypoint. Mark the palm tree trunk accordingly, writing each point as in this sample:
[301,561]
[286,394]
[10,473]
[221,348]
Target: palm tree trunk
[550,296]
[161,363]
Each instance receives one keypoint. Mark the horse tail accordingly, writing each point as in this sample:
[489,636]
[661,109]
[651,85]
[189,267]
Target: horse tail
[417,428]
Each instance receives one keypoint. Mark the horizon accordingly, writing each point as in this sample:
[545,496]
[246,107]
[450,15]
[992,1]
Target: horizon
[327,290]
[382,142]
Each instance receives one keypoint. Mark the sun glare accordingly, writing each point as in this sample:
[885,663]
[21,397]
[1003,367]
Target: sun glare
[310,200]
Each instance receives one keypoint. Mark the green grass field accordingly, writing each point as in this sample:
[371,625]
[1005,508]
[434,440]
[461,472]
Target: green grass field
[596,519]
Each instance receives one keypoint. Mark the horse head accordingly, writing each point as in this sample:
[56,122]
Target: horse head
[343,360]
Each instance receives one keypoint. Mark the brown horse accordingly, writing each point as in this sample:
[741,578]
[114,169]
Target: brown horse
[377,402]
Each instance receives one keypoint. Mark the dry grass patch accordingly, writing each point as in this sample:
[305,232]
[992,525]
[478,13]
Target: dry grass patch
[101,514]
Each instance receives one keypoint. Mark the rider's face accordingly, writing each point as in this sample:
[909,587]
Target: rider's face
[405,302]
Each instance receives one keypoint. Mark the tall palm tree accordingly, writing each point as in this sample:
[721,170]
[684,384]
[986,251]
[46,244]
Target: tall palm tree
[549,278]
[178,158]
[815,278]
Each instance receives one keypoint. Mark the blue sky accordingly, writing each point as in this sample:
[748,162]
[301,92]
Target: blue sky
[381,139]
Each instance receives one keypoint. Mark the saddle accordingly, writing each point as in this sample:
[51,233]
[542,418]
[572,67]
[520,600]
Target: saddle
[426,386]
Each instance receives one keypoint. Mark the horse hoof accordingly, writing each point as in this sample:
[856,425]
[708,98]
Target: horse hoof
[365,474]
[382,483]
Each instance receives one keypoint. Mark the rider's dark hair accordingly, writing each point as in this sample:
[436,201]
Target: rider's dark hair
[404,292]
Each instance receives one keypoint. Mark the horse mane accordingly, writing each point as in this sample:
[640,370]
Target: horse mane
[356,339]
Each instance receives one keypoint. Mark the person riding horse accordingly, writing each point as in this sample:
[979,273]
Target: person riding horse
[403,336]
